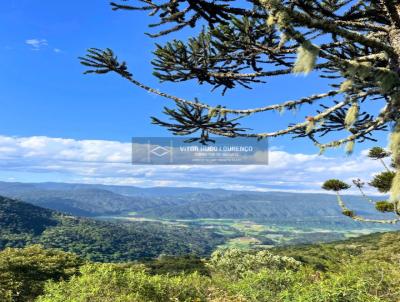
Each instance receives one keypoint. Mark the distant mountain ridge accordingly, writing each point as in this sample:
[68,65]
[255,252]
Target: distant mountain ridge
[185,203]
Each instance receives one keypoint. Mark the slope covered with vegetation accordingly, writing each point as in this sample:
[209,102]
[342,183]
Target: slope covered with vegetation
[356,270]
[22,224]
[134,267]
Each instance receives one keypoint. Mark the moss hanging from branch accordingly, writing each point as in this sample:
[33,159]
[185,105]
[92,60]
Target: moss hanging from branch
[346,85]
[311,125]
[352,115]
[350,147]
[395,149]
[307,55]
[395,189]
[395,145]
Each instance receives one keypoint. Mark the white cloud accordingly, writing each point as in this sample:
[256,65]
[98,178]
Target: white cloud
[108,162]
[57,50]
[36,44]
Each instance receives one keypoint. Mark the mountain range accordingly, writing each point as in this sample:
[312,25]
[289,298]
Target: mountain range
[89,200]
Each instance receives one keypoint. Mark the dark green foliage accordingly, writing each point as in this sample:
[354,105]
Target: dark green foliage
[330,256]
[111,282]
[23,272]
[348,213]
[243,43]
[191,119]
[222,50]
[337,122]
[114,242]
[358,183]
[335,185]
[20,217]
[356,270]
[384,206]
[378,153]
[99,240]
[383,181]
[103,61]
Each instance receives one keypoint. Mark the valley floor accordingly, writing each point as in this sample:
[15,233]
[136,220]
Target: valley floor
[243,233]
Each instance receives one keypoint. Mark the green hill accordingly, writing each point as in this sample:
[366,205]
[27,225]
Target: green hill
[20,218]
[22,224]
[363,269]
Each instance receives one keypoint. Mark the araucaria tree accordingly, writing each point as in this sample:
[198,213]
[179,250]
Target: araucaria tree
[353,44]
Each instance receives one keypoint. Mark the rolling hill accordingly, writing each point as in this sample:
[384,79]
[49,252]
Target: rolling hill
[22,224]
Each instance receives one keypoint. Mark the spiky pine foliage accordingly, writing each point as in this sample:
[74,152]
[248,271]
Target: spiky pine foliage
[352,44]
[335,185]
[358,183]
[383,181]
[346,42]
[348,213]
[384,206]
[378,153]
[189,120]
[336,122]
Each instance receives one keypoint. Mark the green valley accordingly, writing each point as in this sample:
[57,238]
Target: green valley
[23,224]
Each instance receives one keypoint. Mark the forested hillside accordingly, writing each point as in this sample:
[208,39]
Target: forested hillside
[357,270]
[22,224]
[136,266]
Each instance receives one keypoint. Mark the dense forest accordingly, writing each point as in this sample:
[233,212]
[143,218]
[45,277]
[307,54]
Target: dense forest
[22,224]
[358,270]
[47,256]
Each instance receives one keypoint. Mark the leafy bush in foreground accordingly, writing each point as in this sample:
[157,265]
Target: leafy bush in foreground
[23,272]
[236,276]
[108,282]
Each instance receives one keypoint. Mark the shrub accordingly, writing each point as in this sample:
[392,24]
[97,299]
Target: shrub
[355,282]
[110,282]
[384,206]
[235,262]
[23,272]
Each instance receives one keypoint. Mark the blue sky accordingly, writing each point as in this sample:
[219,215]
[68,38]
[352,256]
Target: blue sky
[43,92]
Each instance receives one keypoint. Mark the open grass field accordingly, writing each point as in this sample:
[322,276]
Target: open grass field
[247,234]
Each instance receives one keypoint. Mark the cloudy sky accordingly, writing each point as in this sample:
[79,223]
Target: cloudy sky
[59,125]
[42,158]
